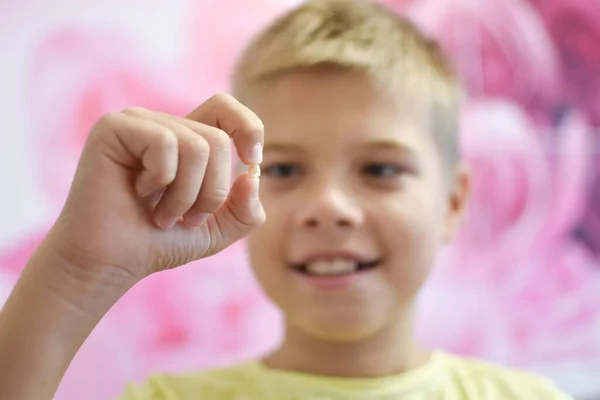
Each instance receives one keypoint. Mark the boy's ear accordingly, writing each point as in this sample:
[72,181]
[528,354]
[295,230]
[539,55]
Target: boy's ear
[458,197]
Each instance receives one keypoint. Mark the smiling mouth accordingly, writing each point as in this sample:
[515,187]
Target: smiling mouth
[336,267]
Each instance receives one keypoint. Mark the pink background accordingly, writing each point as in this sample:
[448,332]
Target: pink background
[522,284]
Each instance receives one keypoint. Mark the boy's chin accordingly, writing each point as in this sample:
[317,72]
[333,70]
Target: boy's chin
[342,329]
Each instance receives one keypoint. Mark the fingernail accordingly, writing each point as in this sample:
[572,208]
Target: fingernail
[196,219]
[144,191]
[256,154]
[255,188]
[167,222]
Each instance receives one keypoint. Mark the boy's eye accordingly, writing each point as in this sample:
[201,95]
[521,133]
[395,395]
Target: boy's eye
[381,170]
[280,170]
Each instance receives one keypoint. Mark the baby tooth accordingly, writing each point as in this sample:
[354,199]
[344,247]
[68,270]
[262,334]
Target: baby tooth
[254,170]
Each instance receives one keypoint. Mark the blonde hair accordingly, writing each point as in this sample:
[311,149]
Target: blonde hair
[364,36]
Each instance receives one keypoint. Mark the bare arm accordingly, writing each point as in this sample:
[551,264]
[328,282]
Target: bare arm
[48,316]
[151,192]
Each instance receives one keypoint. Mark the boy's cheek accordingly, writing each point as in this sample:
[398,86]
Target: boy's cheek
[412,231]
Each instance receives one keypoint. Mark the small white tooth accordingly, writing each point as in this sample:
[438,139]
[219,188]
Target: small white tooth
[344,266]
[335,267]
[318,267]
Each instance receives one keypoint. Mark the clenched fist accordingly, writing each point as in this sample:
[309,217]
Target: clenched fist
[153,191]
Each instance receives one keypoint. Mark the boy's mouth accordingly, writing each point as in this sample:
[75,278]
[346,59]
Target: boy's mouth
[334,267]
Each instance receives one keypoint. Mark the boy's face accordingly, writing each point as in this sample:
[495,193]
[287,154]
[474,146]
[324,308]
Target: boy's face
[357,203]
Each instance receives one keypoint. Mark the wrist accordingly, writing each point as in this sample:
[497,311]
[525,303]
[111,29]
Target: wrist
[89,288]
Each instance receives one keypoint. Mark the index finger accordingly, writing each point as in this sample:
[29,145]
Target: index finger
[242,125]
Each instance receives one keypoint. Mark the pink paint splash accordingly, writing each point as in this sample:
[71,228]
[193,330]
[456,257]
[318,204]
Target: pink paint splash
[575,28]
[500,47]
[527,292]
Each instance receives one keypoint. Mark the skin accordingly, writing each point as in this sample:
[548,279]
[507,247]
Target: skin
[151,192]
[349,166]
[140,171]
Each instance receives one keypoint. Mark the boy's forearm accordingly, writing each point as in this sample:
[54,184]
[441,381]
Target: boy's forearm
[50,313]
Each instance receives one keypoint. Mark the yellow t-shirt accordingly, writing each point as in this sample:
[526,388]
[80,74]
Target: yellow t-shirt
[444,377]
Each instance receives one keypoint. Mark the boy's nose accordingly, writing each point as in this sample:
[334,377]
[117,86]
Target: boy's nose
[330,209]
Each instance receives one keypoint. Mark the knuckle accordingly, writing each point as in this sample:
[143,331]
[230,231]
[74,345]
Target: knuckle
[135,111]
[109,119]
[210,202]
[181,202]
[166,140]
[164,177]
[223,98]
[243,220]
[106,124]
[254,123]
[197,147]
[246,117]
[219,140]
[164,114]
[168,117]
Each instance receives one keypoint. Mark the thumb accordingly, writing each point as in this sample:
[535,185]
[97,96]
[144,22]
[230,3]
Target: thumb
[238,216]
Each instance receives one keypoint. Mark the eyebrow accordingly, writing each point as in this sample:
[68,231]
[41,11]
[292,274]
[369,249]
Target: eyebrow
[377,144]
[281,147]
[388,144]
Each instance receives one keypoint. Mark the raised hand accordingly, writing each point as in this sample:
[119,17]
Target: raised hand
[153,191]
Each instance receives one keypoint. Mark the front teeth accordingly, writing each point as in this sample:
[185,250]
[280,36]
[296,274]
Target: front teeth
[334,267]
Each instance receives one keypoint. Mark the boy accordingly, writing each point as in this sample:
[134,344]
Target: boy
[362,182]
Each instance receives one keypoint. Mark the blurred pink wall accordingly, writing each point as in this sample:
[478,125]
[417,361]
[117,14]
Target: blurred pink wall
[522,284]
